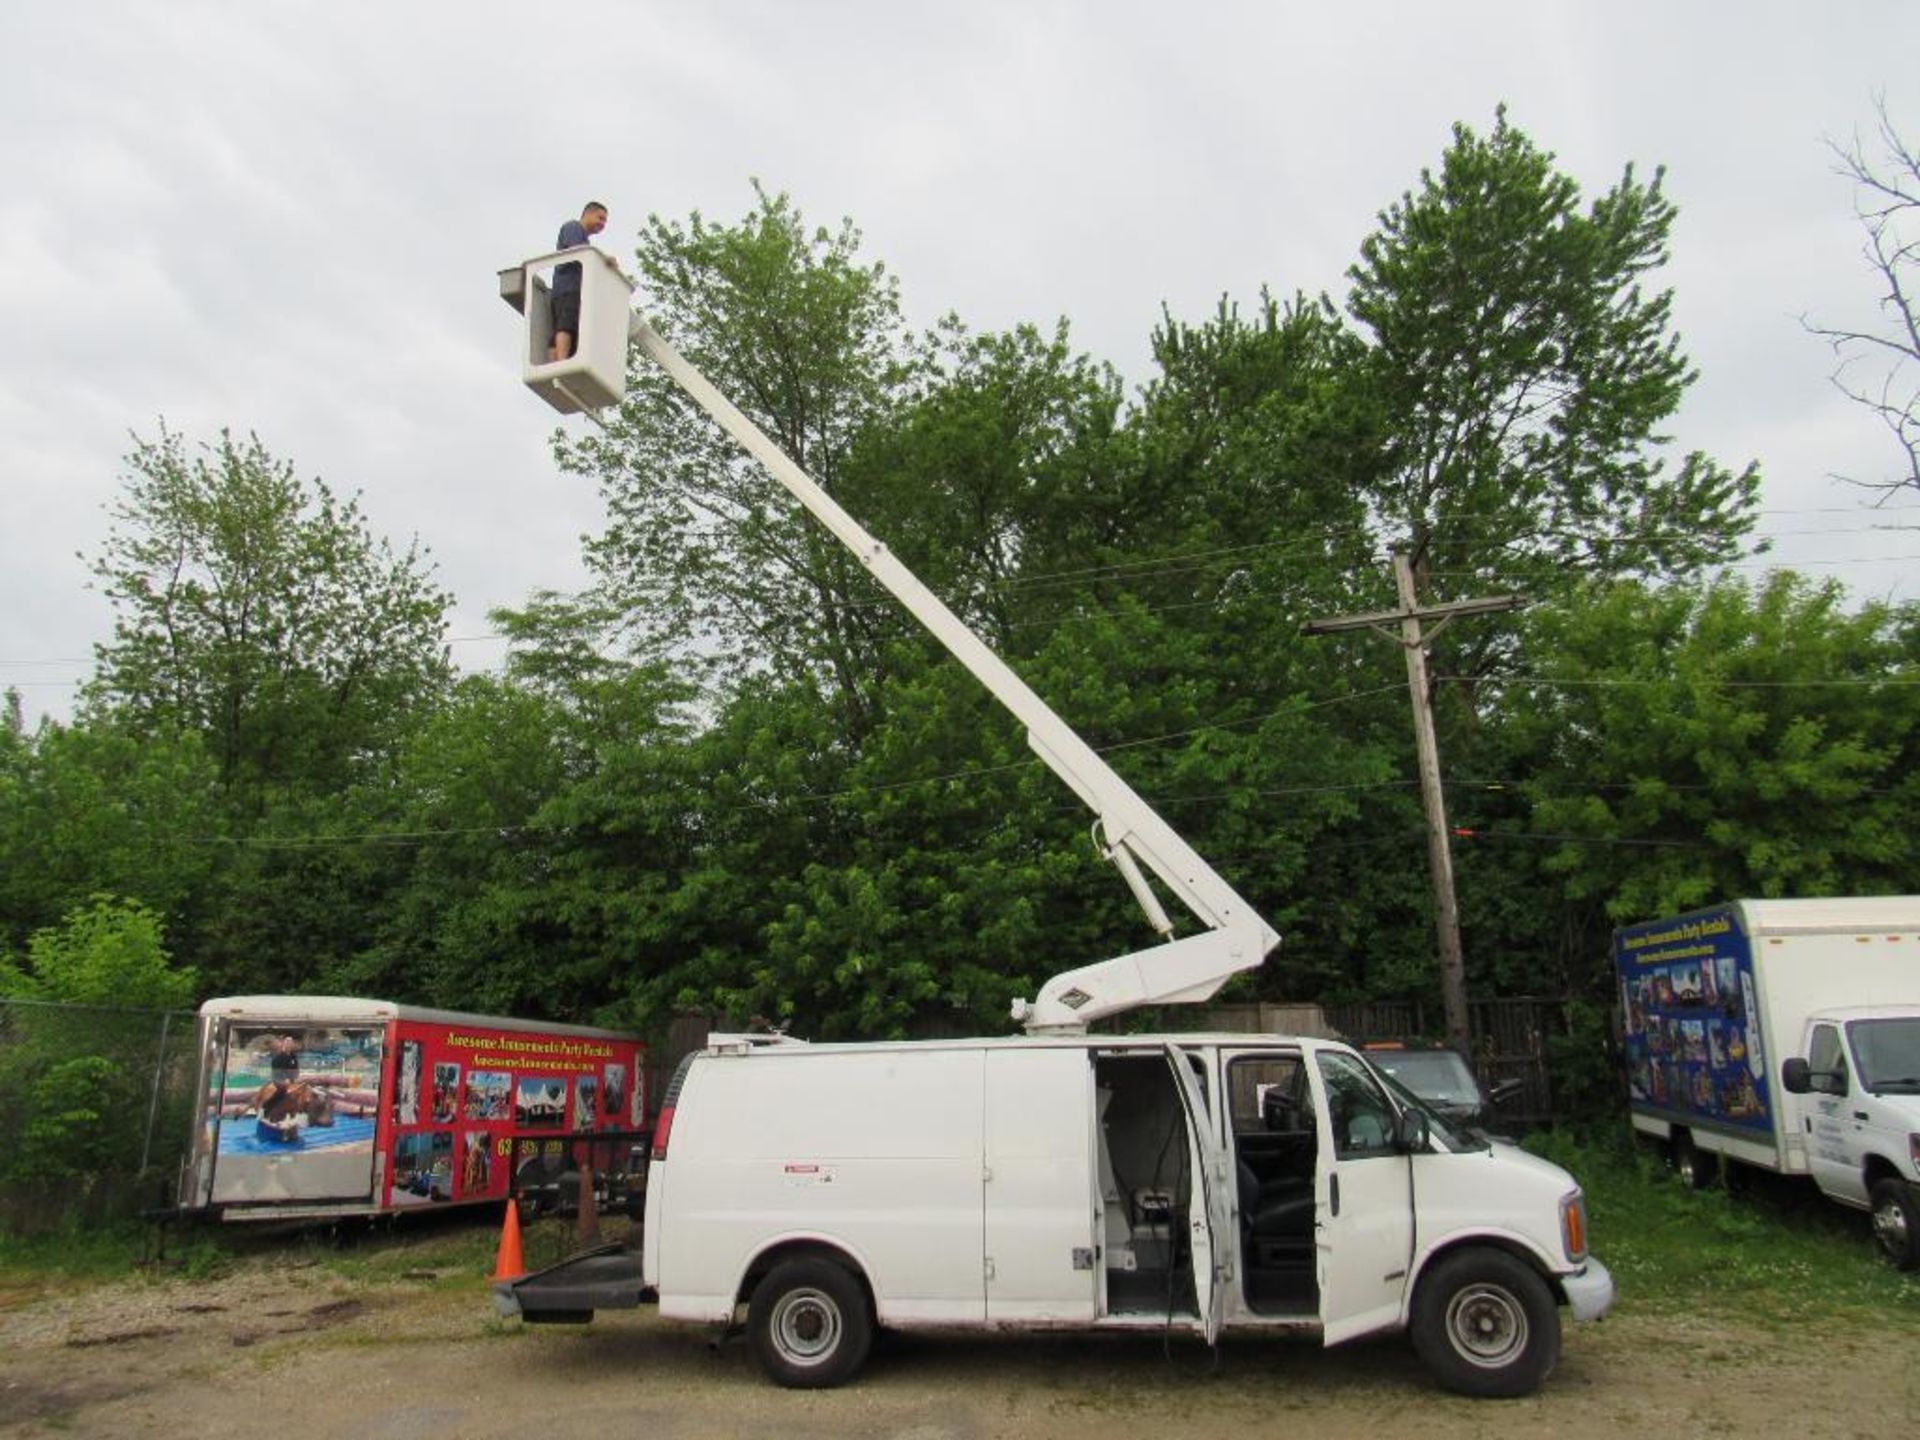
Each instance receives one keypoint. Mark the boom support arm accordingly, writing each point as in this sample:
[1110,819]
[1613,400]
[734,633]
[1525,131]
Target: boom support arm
[1189,969]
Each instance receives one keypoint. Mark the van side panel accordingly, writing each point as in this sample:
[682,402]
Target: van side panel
[877,1153]
[1042,1214]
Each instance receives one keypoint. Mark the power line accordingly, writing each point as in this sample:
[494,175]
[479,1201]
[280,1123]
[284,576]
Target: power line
[1555,682]
[1180,563]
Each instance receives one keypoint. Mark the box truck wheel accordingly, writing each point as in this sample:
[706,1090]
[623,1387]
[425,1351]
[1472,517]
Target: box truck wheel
[1486,1324]
[1695,1167]
[1896,1223]
[809,1324]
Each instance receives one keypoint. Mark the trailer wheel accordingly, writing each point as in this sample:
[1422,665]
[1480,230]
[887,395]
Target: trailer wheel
[1695,1167]
[1485,1324]
[809,1324]
[1896,1223]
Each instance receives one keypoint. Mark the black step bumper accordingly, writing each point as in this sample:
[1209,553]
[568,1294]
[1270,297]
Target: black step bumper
[568,1293]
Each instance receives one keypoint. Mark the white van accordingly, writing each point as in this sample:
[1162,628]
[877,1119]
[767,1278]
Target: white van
[1192,1181]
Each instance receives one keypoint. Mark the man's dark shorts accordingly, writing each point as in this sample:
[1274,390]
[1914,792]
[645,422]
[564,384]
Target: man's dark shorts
[566,312]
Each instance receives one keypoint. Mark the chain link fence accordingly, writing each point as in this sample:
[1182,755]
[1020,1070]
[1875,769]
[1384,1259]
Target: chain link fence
[96,1111]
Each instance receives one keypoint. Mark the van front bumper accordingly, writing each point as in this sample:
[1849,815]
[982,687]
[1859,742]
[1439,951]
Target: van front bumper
[1589,1290]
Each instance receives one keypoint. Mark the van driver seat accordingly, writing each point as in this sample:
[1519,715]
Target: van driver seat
[1282,1211]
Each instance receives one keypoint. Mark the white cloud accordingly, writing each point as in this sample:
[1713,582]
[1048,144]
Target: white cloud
[287,218]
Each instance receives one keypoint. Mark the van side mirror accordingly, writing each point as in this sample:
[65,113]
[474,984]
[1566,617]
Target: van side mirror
[1505,1090]
[1795,1076]
[1410,1132]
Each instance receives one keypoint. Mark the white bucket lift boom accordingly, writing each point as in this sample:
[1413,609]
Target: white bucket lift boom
[1187,969]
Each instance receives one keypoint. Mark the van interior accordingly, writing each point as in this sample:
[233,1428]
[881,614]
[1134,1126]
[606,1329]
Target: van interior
[1275,1144]
[1146,1183]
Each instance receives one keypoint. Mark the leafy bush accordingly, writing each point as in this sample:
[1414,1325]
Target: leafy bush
[108,952]
[77,1060]
[74,1124]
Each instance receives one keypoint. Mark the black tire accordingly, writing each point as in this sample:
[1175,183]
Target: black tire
[1485,1324]
[1696,1168]
[809,1324]
[1896,1223]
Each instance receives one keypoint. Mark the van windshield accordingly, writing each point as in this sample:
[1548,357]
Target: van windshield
[1454,1136]
[1888,1052]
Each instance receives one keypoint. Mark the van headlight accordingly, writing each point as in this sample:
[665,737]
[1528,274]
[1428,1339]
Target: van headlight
[1573,1226]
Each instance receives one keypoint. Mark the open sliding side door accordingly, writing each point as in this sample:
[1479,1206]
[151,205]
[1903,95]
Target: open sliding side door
[1211,1202]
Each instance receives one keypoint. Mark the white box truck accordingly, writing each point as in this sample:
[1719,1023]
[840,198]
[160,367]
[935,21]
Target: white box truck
[1822,996]
[1063,1179]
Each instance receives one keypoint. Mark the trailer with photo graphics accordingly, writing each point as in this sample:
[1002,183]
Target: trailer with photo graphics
[312,1106]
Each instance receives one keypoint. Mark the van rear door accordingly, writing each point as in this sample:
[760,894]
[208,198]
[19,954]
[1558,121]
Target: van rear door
[1210,1216]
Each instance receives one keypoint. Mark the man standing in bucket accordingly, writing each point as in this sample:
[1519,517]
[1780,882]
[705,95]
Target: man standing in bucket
[566,280]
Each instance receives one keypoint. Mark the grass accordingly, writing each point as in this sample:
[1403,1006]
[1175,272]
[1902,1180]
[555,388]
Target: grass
[443,1249]
[450,1250]
[75,1254]
[1772,1252]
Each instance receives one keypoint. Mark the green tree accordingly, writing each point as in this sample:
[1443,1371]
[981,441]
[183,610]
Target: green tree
[538,821]
[1699,743]
[704,554]
[1523,371]
[106,952]
[970,477]
[257,610]
[98,806]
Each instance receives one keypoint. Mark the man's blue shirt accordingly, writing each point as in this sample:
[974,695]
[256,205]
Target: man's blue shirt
[566,278]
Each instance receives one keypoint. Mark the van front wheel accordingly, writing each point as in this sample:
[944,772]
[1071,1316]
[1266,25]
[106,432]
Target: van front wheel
[1896,1223]
[1485,1324]
[809,1325]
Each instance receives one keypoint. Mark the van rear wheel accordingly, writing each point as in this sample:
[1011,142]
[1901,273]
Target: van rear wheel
[809,1325]
[1485,1323]
[1896,1223]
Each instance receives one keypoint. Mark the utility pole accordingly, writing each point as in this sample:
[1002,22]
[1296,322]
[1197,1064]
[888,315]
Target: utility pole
[1404,625]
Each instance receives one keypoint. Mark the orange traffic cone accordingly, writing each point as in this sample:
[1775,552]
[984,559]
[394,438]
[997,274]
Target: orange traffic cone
[509,1265]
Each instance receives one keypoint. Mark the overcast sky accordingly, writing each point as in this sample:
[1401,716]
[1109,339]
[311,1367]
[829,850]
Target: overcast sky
[286,218]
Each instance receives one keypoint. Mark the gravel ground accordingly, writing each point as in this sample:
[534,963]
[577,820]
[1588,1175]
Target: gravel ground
[295,1346]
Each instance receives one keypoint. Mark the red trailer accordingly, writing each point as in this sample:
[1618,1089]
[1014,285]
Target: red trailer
[331,1105]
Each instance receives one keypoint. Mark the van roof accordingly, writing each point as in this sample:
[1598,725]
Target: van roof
[787,1045]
